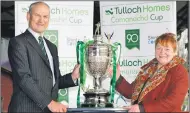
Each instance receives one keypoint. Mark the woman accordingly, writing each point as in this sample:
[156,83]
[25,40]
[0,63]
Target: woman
[162,84]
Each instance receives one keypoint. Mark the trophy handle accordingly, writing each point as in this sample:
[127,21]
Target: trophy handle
[118,52]
[79,43]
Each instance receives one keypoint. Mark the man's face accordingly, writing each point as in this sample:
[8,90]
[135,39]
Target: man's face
[39,18]
[164,54]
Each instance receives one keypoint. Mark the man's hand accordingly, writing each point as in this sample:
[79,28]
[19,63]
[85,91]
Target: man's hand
[133,108]
[76,74]
[118,73]
[57,107]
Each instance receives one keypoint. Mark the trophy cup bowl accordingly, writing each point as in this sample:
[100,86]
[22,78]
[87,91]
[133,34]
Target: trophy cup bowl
[98,58]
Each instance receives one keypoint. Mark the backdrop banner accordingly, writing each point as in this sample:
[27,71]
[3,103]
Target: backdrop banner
[136,25]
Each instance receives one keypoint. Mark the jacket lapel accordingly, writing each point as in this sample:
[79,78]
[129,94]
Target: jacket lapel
[32,41]
[52,51]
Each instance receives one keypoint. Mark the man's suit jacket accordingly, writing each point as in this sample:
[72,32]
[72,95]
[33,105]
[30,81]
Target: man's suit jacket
[166,97]
[33,86]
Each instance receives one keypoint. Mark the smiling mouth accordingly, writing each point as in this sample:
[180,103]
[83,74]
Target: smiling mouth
[162,56]
[40,24]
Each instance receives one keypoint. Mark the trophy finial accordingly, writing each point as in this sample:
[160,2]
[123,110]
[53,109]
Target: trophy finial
[97,31]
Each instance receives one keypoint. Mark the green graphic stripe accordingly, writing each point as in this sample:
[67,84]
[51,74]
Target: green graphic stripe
[115,47]
[81,51]
[80,61]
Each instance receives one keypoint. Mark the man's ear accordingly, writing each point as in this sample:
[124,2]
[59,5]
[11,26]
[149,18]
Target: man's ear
[28,16]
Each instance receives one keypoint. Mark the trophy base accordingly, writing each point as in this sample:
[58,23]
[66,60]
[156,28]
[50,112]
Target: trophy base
[97,98]
[100,105]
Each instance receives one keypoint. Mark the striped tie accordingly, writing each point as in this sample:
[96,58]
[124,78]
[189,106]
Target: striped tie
[41,43]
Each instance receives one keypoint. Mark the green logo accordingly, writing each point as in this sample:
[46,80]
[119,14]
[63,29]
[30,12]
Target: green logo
[63,95]
[25,10]
[132,38]
[52,36]
[109,12]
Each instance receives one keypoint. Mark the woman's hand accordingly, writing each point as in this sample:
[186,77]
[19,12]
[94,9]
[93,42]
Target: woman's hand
[118,73]
[132,108]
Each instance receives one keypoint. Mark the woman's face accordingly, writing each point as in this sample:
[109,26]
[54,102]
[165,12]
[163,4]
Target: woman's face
[164,54]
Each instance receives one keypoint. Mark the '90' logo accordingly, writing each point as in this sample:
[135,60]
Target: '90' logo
[132,38]
[52,36]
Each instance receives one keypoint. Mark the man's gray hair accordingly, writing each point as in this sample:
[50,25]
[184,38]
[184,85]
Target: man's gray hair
[36,3]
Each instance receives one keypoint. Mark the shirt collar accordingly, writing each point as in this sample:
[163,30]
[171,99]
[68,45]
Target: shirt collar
[35,34]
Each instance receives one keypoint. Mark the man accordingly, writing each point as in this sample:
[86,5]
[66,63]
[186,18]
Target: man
[35,67]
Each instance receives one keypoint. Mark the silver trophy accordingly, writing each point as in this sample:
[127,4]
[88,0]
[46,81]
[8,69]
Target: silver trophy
[98,58]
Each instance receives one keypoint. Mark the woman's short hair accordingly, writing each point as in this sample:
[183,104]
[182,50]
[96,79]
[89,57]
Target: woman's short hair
[167,38]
